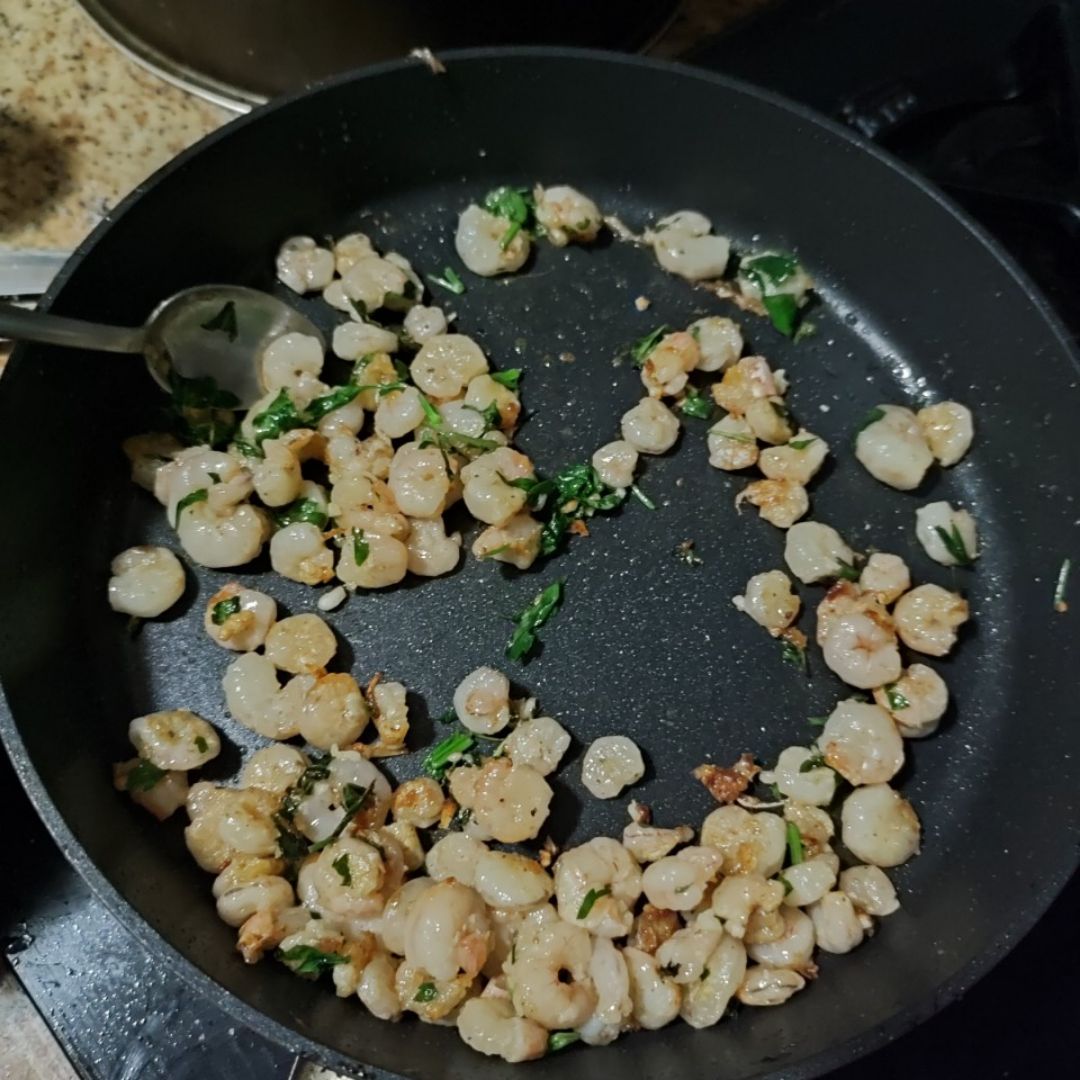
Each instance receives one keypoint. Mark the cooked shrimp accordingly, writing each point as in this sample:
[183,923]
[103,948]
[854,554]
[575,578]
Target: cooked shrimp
[334,712]
[273,768]
[611,763]
[732,445]
[879,826]
[481,243]
[482,701]
[378,988]
[239,618]
[506,880]
[489,493]
[893,449]
[177,739]
[601,869]
[928,618]
[862,650]
[449,931]
[299,552]
[650,427]
[870,890]
[836,924]
[221,540]
[323,810]
[815,552]
[667,367]
[675,883]
[647,843]
[419,482]
[770,601]
[720,342]
[345,880]
[455,856]
[794,949]
[740,896]
[808,881]
[916,701]
[146,581]
[352,340]
[516,541]
[815,785]
[293,361]
[861,743]
[799,459]
[256,700]
[301,644]
[549,977]
[746,381]
[421,322]
[431,553]
[539,742]
[779,502]
[611,980]
[226,822]
[847,598]
[705,1001]
[304,266]
[770,422]
[372,281]
[655,998]
[684,245]
[400,412]
[490,1026]
[148,453]
[567,216]
[383,560]
[483,391]
[364,502]
[162,799]
[948,429]
[764,985]
[615,463]
[750,843]
[947,535]
[886,576]
[510,801]
[348,249]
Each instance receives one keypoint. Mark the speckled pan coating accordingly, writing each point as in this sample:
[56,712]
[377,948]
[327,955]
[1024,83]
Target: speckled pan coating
[918,305]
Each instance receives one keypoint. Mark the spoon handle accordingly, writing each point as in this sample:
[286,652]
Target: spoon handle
[21,325]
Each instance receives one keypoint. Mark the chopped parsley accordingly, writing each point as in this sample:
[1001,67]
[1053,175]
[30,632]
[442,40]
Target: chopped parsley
[353,798]
[590,899]
[696,404]
[279,417]
[802,444]
[639,351]
[360,547]
[224,610]
[514,204]
[814,761]
[794,844]
[576,492]
[954,545]
[872,417]
[734,436]
[817,721]
[341,865]
[784,881]
[846,571]
[560,1040]
[509,378]
[144,776]
[448,717]
[432,416]
[642,497]
[248,449]
[302,510]
[190,499]
[529,621]
[450,281]
[426,992]
[339,396]
[447,753]
[200,412]
[307,960]
[769,272]
[1062,585]
[490,413]
[201,744]
[224,321]
[897,699]
[794,654]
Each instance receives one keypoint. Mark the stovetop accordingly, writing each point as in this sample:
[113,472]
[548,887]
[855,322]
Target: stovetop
[982,100]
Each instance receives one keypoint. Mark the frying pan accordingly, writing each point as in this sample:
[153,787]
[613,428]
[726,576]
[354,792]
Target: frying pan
[916,304]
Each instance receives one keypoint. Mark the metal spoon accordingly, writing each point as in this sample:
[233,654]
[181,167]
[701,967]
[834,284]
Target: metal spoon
[216,330]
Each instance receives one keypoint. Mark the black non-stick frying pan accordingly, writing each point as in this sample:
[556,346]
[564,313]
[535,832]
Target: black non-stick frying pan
[916,304]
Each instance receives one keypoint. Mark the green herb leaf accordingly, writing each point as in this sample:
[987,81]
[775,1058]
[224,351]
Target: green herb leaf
[1062,586]
[590,899]
[224,321]
[190,499]
[954,545]
[200,412]
[339,396]
[202,392]
[432,416]
[793,654]
[224,609]
[814,761]
[201,744]
[490,413]
[784,881]
[248,449]
[560,1040]
[734,436]
[896,698]
[783,311]
[215,477]
[817,721]
[802,444]
[426,992]
[509,378]
[449,281]
[529,621]
[639,351]
[794,844]
[305,510]
[461,818]
[697,404]
[341,865]
[360,547]
[448,717]
[446,753]
[774,268]
[144,776]
[514,204]
[352,798]
[279,417]
[806,330]
[846,571]
[317,770]
[642,497]
[307,960]
[776,793]
[769,272]
[872,417]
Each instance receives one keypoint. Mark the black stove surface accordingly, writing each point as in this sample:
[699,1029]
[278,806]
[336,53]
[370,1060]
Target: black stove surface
[983,100]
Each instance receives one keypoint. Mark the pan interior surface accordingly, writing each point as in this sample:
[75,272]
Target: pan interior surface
[916,308]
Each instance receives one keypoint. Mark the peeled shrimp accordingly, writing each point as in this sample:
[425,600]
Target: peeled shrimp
[948,429]
[936,518]
[916,701]
[611,763]
[550,977]
[861,743]
[928,618]
[879,826]
[490,1026]
[479,243]
[650,427]
[146,581]
[603,869]
[567,215]
[779,502]
[176,739]
[862,650]
[448,931]
[720,342]
[770,601]
[893,448]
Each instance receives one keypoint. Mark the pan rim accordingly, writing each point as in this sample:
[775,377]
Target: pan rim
[844,1052]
